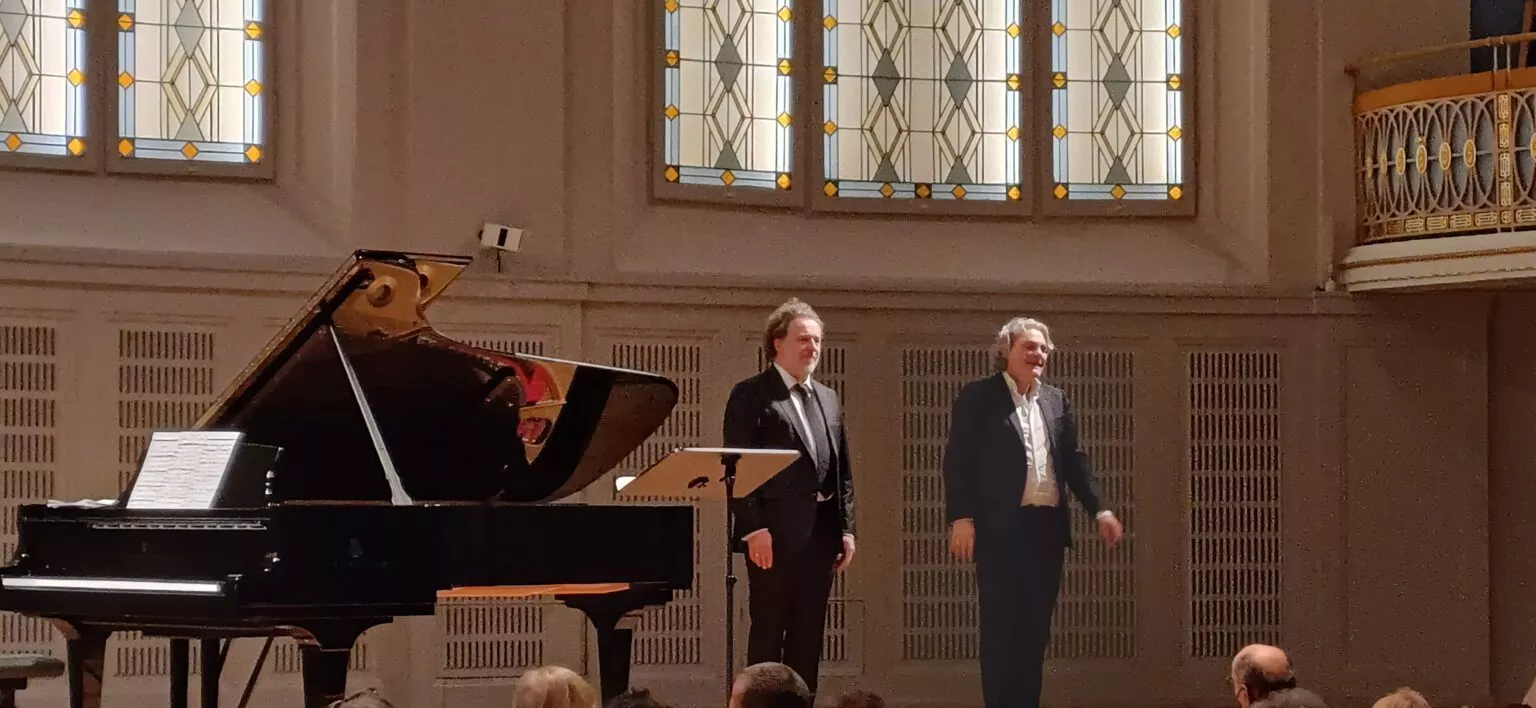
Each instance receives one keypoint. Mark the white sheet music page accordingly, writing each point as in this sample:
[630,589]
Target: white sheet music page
[183,469]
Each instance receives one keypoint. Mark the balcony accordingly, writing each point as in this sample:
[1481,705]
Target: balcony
[1445,175]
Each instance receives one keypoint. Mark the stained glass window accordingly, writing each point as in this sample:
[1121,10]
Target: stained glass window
[1117,99]
[727,111]
[922,100]
[191,77]
[42,77]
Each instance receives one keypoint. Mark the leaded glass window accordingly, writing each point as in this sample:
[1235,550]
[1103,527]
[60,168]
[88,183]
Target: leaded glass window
[1117,99]
[922,99]
[1001,106]
[727,109]
[191,80]
[42,77]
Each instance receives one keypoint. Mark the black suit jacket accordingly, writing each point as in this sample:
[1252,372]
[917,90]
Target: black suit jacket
[760,414]
[985,461]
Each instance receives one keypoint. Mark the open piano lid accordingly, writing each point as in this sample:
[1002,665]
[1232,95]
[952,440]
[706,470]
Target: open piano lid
[460,423]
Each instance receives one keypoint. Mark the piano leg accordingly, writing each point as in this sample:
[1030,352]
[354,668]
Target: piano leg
[614,616]
[327,655]
[325,675]
[213,669]
[86,652]
[180,659]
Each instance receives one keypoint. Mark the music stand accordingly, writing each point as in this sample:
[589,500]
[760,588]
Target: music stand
[690,473]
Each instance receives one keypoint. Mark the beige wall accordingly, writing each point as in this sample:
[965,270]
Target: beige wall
[1401,467]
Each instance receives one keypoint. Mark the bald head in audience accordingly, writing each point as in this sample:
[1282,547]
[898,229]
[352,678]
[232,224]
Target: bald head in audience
[1259,670]
[1402,698]
[769,684]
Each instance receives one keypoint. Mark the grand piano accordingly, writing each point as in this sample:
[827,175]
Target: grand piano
[383,465]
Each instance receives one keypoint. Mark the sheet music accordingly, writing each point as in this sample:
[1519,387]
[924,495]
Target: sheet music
[183,470]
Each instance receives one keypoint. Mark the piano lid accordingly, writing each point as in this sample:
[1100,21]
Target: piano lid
[459,423]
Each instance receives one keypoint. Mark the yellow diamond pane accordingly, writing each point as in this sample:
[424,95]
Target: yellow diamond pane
[76,146]
[727,178]
[829,127]
[829,74]
[1175,193]
[783,181]
[42,76]
[731,86]
[125,147]
[829,22]
[923,191]
[671,112]
[193,79]
[1117,99]
[671,174]
[925,94]
[829,189]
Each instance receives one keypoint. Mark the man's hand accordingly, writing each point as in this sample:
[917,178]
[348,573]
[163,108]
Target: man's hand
[846,557]
[760,549]
[962,539]
[1110,529]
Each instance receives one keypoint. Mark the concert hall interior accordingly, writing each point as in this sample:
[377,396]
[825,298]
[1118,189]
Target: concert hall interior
[1287,250]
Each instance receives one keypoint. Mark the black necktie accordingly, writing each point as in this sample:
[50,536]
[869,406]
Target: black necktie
[818,431]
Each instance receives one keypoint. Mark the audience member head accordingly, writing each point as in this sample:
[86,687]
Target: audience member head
[1402,698]
[553,687]
[769,685]
[860,699]
[1259,670]
[367,698]
[635,698]
[1291,698]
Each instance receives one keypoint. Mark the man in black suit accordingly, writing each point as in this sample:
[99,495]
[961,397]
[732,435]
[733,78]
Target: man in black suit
[1011,461]
[797,528]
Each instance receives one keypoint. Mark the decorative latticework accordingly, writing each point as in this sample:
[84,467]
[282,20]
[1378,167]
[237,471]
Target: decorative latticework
[1447,165]
[1096,610]
[192,80]
[922,100]
[30,402]
[671,634]
[42,77]
[727,107]
[1234,506]
[492,637]
[1118,82]
[938,592]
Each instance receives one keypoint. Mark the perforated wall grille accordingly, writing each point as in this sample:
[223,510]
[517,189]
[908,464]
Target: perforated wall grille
[492,637]
[938,593]
[29,414]
[670,634]
[1096,610]
[841,605]
[165,378]
[1234,488]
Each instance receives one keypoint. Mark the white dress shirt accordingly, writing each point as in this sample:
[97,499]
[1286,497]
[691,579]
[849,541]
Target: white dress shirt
[1040,484]
[805,427]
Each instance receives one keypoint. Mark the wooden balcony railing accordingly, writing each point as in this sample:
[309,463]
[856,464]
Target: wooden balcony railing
[1449,155]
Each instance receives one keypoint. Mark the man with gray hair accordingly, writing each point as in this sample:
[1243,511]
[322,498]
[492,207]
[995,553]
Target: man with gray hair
[1010,463]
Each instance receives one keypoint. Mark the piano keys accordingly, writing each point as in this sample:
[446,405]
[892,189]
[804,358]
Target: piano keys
[405,466]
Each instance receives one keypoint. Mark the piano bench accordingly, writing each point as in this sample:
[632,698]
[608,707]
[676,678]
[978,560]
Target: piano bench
[16,669]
